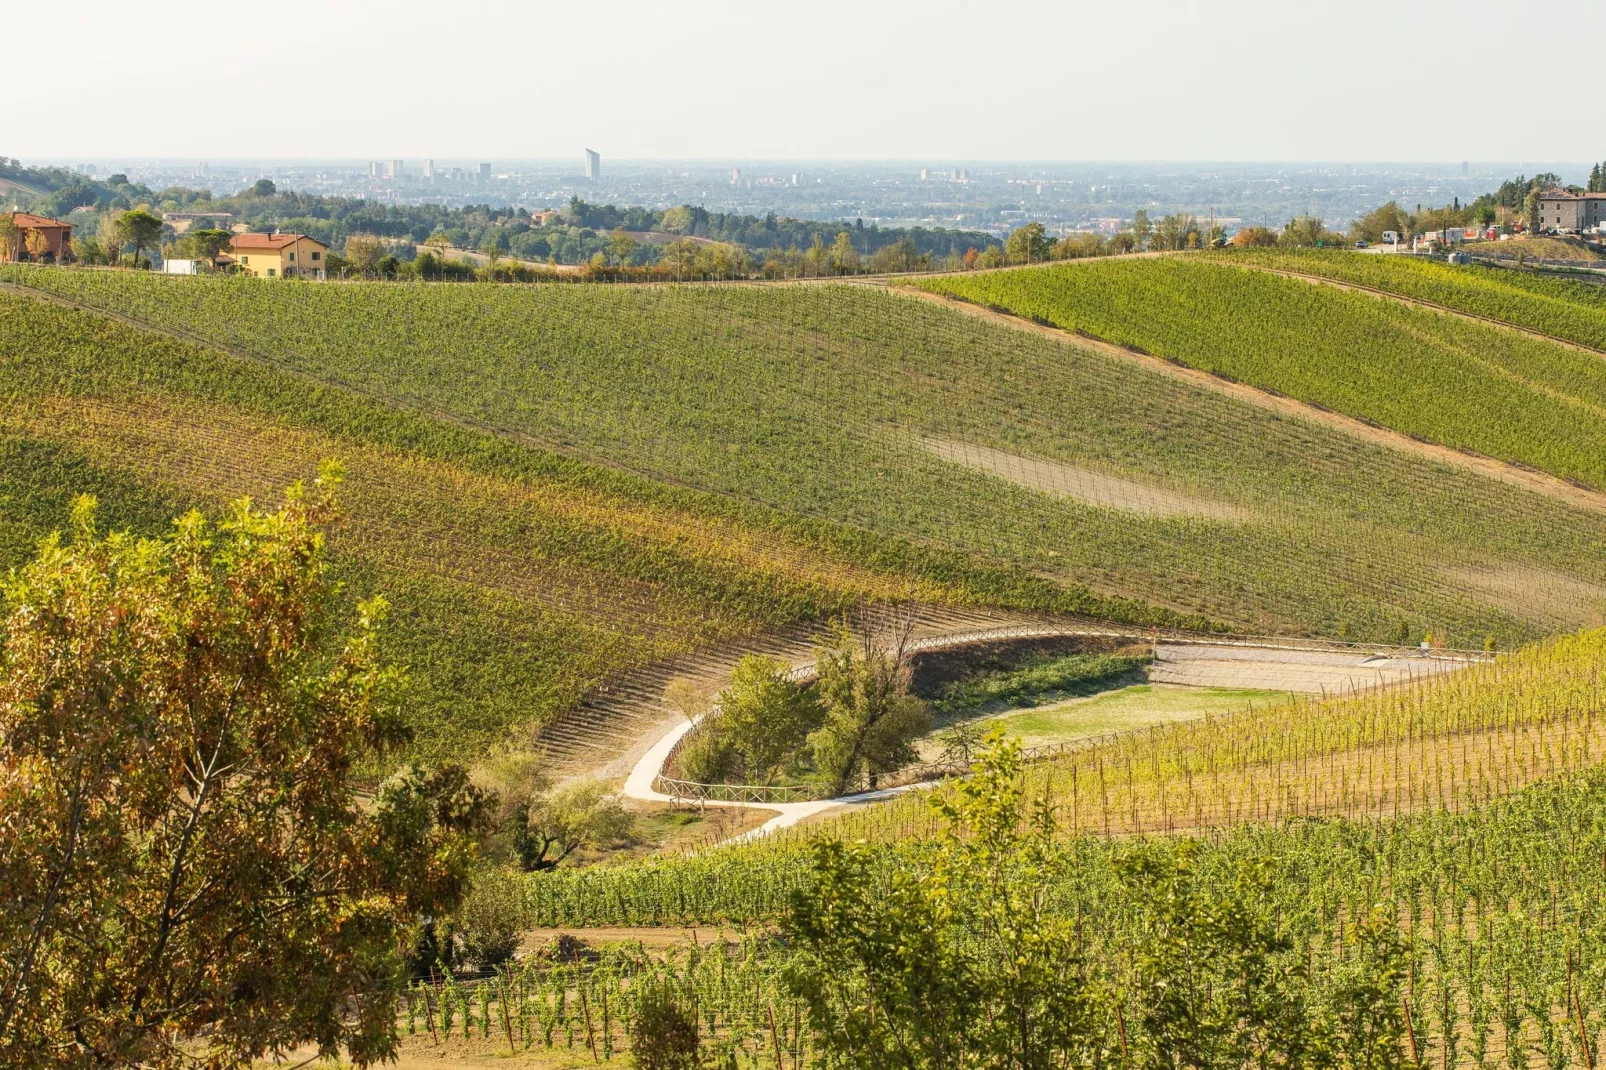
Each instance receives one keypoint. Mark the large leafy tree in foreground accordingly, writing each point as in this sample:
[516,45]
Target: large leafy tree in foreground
[186,870]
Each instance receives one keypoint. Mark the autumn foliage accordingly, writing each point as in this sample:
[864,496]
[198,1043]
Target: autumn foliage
[186,869]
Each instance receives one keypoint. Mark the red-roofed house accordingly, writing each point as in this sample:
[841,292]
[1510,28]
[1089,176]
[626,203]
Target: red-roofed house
[55,234]
[282,256]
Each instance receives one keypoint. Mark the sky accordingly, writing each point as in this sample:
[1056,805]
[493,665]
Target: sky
[1287,80]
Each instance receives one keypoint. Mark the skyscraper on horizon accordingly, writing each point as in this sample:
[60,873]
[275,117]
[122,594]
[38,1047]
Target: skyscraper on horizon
[593,165]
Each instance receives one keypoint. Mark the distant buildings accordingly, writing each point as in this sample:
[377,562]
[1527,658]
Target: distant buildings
[279,255]
[429,170]
[1561,210]
[593,165]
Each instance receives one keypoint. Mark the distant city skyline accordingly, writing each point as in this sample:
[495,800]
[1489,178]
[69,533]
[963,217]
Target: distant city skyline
[985,196]
[1181,80]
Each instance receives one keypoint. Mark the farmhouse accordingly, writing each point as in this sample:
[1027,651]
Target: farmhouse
[1564,211]
[32,229]
[279,255]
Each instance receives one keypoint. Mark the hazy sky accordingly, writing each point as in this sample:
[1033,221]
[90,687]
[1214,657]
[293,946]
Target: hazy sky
[848,79]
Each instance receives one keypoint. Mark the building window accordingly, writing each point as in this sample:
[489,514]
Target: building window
[245,259]
[315,254]
[270,273]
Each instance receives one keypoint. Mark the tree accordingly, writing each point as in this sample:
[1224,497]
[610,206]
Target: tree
[1530,208]
[264,187]
[764,716]
[954,954]
[622,245]
[956,961]
[187,873]
[37,244]
[1141,229]
[677,220]
[490,250]
[142,228]
[1027,245]
[870,717]
[9,234]
[540,825]
[817,258]
[208,245]
[363,252]
[844,258]
[1253,236]
[1308,231]
[1177,231]
[113,237]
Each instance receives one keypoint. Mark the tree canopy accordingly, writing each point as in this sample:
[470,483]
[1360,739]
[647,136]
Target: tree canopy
[188,871]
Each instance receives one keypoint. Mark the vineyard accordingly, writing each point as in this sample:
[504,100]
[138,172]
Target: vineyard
[1466,385]
[1498,911]
[828,426]
[1575,311]
[554,485]
[519,581]
[1465,817]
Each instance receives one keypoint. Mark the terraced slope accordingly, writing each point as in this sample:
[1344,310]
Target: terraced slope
[1466,385]
[1575,311]
[900,423]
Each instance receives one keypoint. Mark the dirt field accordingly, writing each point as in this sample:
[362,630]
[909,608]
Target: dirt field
[1082,484]
[1306,671]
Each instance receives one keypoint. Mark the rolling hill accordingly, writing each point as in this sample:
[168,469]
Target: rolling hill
[557,484]
[1467,385]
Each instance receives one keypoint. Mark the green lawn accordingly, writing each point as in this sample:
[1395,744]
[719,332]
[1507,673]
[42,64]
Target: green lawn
[1125,709]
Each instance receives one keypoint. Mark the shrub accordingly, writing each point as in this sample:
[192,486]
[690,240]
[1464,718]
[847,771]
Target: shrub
[665,1036]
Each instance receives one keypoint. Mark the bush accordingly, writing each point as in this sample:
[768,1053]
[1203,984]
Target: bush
[665,1036]
[488,922]
[708,758]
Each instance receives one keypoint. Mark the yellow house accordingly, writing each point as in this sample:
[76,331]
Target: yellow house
[279,256]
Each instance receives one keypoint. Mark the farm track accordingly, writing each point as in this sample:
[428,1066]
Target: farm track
[609,731]
[1526,479]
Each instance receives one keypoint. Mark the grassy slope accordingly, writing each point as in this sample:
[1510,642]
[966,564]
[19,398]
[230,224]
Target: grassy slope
[520,578]
[1467,385]
[1539,248]
[1575,311]
[814,402]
